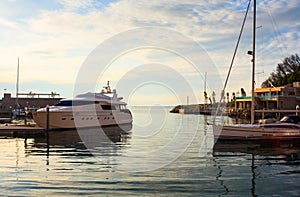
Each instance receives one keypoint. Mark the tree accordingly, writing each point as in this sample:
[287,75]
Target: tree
[286,72]
[205,95]
[214,97]
[243,92]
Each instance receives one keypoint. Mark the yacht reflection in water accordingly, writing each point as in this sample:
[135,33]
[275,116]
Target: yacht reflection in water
[82,141]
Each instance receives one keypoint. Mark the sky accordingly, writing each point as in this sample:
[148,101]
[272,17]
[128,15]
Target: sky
[153,52]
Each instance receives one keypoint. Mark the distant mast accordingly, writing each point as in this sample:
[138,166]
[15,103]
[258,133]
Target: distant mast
[17,85]
[205,93]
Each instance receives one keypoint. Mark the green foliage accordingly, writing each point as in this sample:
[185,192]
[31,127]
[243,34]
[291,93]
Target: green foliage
[286,72]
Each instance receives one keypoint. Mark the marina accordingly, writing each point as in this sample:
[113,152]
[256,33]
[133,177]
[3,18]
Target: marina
[173,121]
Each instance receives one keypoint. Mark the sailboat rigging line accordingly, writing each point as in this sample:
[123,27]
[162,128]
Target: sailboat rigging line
[236,47]
[281,46]
[233,57]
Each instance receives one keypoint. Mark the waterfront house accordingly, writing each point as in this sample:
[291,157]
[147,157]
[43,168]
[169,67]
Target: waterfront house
[271,98]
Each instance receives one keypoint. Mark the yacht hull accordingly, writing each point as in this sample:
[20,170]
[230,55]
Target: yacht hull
[81,119]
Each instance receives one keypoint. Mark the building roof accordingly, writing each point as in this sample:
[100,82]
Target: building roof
[272,89]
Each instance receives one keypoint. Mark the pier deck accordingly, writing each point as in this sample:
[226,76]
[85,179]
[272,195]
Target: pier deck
[9,130]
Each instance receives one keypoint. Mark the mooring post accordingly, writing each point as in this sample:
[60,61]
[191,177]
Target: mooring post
[47,133]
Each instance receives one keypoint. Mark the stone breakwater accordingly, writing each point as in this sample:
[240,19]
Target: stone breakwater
[192,109]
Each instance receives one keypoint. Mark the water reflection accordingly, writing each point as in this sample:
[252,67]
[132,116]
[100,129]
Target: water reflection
[62,165]
[257,156]
[260,147]
[78,138]
[73,142]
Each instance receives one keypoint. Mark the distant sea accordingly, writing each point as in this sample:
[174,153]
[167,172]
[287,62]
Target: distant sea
[160,154]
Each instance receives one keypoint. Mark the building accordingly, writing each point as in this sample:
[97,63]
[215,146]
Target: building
[272,98]
[31,100]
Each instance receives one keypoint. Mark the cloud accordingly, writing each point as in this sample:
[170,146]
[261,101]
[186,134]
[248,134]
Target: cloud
[60,38]
[75,5]
[7,23]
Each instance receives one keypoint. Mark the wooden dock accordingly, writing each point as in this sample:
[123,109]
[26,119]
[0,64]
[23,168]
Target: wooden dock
[9,130]
[277,111]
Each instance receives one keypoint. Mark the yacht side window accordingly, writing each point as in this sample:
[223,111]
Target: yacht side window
[108,107]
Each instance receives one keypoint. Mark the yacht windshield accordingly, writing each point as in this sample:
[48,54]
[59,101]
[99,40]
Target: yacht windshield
[291,119]
[108,107]
[285,118]
[75,103]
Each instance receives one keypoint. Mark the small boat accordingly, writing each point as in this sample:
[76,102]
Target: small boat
[286,128]
[85,110]
[280,130]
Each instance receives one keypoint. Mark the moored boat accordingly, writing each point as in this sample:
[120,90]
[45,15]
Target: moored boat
[85,110]
[272,131]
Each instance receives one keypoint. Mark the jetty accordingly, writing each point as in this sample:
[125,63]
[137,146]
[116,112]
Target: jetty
[204,109]
[15,130]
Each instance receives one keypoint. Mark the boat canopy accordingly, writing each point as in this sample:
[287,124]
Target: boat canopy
[90,98]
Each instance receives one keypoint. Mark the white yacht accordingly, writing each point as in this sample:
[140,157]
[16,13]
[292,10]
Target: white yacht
[85,110]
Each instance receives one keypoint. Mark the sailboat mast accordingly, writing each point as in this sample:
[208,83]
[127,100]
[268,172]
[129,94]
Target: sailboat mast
[17,85]
[253,64]
[205,97]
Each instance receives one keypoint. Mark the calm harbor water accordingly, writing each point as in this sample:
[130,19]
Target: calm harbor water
[162,154]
